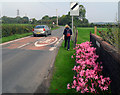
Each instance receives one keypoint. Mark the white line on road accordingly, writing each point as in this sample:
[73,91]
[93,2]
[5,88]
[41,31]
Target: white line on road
[23,45]
[53,48]
[14,40]
[58,41]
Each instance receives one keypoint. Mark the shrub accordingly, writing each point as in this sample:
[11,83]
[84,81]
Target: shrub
[112,36]
[88,77]
[11,29]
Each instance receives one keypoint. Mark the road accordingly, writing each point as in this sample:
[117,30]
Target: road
[26,62]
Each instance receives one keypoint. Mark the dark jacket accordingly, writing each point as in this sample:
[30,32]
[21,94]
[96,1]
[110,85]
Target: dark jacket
[65,31]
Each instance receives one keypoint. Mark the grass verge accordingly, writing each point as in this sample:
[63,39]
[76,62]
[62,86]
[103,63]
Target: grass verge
[63,74]
[55,28]
[13,37]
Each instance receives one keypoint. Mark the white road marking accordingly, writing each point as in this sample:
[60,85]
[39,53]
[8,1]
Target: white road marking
[53,48]
[58,41]
[39,45]
[23,45]
[14,40]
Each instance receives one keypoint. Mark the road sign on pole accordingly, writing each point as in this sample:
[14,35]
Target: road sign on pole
[74,10]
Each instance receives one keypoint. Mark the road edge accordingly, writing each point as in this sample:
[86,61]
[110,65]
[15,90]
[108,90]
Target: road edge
[44,86]
[14,40]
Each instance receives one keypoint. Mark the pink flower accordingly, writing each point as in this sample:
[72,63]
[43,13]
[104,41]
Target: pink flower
[99,81]
[86,89]
[78,67]
[72,56]
[92,89]
[74,82]
[103,80]
[96,77]
[82,72]
[83,84]
[101,76]
[73,86]
[108,78]
[74,77]
[86,80]
[81,79]
[92,85]
[105,88]
[68,86]
[101,67]
[78,88]
[82,91]
[74,68]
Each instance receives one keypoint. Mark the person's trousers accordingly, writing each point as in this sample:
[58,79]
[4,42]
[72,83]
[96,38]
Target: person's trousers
[67,41]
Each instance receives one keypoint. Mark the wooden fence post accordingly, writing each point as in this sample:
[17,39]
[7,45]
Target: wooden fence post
[95,30]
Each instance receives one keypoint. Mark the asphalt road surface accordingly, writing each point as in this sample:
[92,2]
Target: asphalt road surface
[27,61]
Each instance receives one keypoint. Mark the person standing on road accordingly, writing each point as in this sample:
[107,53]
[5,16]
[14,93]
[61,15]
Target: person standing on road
[67,36]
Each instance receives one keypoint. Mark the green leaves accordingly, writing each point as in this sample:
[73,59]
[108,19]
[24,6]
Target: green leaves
[11,29]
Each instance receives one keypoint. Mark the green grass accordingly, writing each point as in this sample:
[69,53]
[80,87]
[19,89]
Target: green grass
[63,74]
[55,28]
[13,37]
[84,34]
[17,36]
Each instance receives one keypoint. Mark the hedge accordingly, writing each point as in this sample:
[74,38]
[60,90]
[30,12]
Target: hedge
[11,29]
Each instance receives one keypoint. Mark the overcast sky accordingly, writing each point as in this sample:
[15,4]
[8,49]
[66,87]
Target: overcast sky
[95,11]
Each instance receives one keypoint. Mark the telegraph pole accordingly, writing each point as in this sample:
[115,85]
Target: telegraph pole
[18,12]
[119,13]
[57,17]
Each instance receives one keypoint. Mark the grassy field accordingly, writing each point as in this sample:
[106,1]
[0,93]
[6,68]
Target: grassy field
[84,34]
[63,73]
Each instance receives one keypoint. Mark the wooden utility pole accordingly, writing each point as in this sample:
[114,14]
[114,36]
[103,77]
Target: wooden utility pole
[57,17]
[95,28]
[18,12]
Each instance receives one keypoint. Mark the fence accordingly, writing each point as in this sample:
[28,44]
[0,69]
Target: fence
[110,59]
[74,37]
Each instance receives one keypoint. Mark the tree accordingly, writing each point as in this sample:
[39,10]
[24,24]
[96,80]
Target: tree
[34,21]
[46,17]
[25,19]
[82,12]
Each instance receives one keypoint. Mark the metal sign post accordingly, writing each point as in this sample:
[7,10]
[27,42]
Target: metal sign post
[72,23]
[74,10]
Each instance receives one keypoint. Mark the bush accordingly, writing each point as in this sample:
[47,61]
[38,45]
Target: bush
[112,36]
[11,29]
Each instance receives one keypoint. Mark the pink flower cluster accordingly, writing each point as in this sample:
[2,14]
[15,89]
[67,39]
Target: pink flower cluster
[88,76]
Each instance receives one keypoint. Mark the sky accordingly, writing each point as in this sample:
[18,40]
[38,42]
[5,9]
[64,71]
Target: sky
[95,11]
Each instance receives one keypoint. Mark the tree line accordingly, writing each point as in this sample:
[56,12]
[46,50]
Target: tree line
[79,21]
